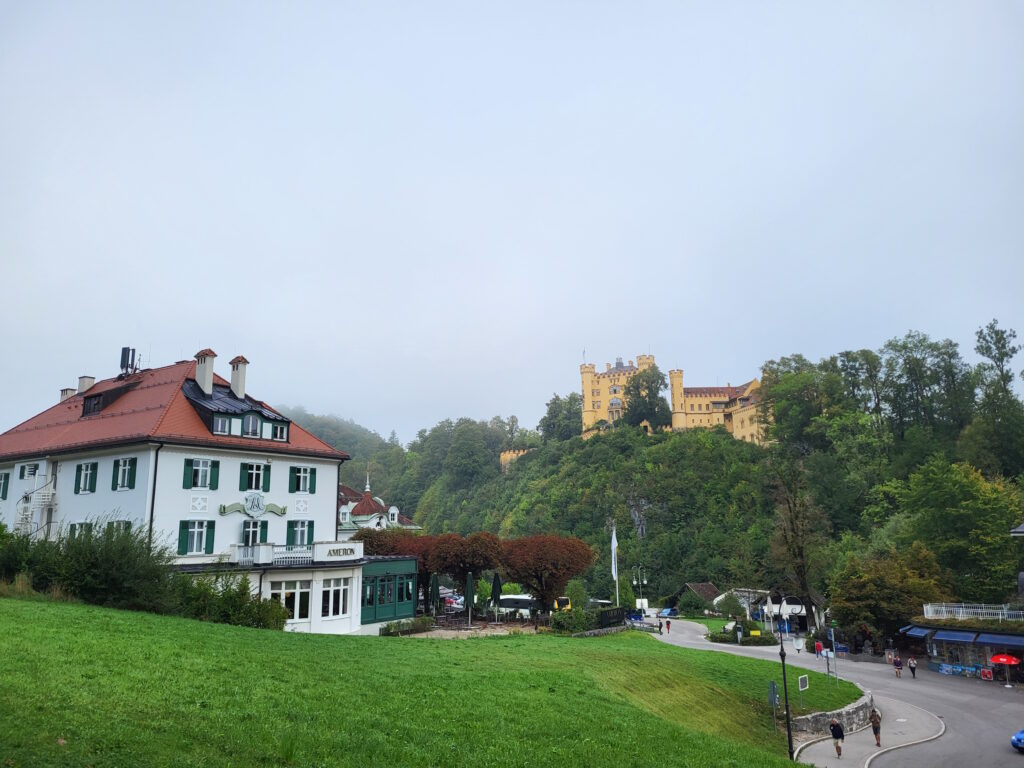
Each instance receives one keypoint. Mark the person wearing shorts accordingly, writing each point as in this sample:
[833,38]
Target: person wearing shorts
[838,736]
[876,726]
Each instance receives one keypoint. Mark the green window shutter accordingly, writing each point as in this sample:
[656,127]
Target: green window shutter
[312,480]
[292,481]
[186,480]
[266,478]
[87,529]
[263,531]
[132,465]
[309,533]
[110,527]
[78,477]
[113,480]
[290,538]
[72,530]
[214,475]
[183,537]
[127,526]
[209,537]
[243,476]
[21,475]
[4,478]
[92,477]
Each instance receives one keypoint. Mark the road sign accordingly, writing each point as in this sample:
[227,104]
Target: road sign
[773,694]
[803,683]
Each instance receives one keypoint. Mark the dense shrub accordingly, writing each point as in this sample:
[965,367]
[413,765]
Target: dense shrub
[110,566]
[226,598]
[576,620]
[692,604]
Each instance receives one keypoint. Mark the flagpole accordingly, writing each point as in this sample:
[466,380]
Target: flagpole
[615,563]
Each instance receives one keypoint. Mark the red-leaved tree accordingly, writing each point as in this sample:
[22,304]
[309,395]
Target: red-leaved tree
[544,564]
[457,556]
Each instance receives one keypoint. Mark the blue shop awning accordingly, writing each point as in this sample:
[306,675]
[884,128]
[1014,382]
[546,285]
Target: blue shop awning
[955,636]
[1009,641]
[904,629]
[918,632]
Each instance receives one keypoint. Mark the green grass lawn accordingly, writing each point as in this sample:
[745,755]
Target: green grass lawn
[714,623]
[129,689]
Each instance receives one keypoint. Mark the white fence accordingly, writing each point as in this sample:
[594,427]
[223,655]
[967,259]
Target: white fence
[963,611]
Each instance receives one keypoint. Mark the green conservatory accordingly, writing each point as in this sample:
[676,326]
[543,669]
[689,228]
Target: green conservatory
[389,589]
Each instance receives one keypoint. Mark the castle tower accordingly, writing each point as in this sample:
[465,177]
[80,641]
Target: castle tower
[676,399]
[587,382]
[644,361]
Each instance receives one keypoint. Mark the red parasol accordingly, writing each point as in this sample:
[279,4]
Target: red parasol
[1004,658]
[1008,660]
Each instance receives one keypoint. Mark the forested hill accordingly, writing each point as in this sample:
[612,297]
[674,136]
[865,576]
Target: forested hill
[891,478]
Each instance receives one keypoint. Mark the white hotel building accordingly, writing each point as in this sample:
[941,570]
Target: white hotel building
[219,477]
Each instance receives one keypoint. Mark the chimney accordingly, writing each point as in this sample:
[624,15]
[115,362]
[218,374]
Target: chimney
[238,376]
[85,382]
[204,370]
[66,393]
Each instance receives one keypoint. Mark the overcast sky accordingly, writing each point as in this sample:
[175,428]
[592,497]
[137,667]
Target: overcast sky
[402,212]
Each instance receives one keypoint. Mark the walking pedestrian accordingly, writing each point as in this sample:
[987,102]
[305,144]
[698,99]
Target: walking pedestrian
[912,666]
[659,626]
[897,664]
[838,737]
[668,626]
[876,726]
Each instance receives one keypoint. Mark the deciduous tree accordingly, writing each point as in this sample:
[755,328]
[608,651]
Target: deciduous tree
[544,564]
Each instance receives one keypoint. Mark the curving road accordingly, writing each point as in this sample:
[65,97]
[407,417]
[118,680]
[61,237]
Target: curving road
[979,716]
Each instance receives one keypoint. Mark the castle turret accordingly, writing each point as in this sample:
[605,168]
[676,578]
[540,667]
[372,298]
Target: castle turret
[644,361]
[587,382]
[676,399]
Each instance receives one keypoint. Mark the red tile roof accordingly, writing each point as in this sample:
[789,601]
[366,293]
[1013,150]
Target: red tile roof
[152,409]
[347,493]
[205,353]
[368,506]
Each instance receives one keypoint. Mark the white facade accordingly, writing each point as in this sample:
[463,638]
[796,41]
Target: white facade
[293,523]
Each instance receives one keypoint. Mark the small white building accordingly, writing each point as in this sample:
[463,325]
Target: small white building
[357,511]
[220,477]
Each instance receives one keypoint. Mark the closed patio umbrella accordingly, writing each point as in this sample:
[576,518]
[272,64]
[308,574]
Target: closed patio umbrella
[496,593]
[470,596]
[435,592]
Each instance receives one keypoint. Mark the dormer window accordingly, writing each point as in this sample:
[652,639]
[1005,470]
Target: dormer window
[220,425]
[92,404]
[251,425]
[279,432]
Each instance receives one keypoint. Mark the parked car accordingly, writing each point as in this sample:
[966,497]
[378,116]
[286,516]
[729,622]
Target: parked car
[668,613]
[1017,741]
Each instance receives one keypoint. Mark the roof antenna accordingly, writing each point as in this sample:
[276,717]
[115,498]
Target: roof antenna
[367,477]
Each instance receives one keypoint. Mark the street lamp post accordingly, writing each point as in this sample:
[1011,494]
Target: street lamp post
[639,579]
[785,686]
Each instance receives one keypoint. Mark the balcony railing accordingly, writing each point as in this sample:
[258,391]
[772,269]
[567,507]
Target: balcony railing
[964,611]
[293,554]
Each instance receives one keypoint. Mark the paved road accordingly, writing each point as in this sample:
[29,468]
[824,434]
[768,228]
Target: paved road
[979,716]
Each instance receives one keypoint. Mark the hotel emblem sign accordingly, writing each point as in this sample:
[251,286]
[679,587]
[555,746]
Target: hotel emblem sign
[253,505]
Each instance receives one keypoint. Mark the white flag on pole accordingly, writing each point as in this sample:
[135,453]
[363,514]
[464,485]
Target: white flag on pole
[615,556]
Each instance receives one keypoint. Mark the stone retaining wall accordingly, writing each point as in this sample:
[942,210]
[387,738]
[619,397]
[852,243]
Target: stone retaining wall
[604,631]
[852,716]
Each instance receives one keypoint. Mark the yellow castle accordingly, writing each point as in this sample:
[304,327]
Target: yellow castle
[735,408]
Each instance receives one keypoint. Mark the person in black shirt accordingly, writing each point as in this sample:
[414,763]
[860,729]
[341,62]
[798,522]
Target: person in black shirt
[837,736]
